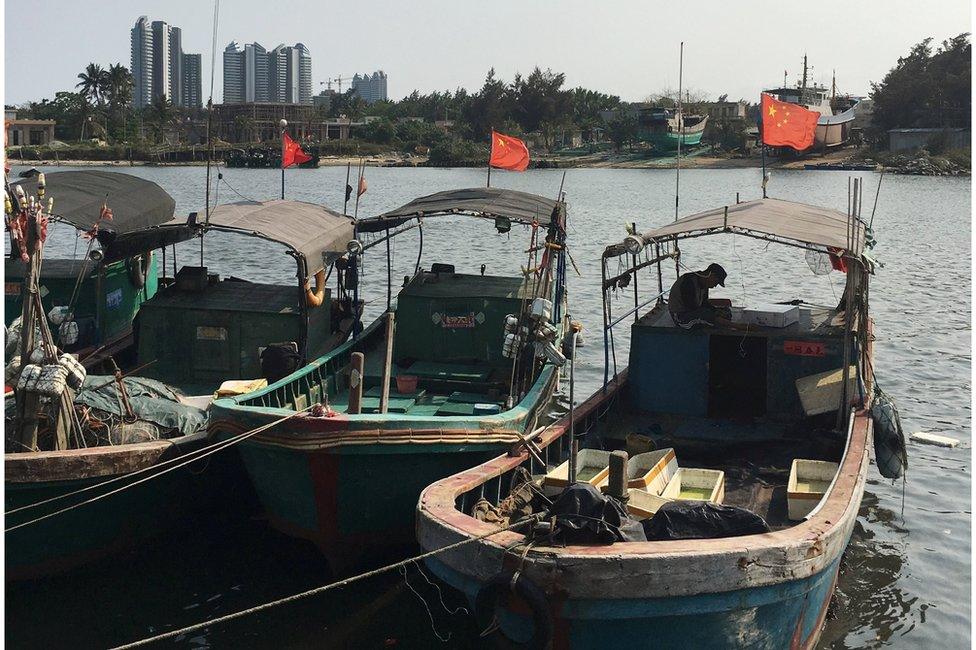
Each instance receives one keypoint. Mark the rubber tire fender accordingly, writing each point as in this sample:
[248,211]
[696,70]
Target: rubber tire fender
[530,593]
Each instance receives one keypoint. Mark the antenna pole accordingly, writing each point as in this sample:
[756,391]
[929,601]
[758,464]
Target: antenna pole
[213,56]
[681,125]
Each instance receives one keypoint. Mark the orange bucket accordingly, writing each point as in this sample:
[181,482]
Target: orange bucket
[406,383]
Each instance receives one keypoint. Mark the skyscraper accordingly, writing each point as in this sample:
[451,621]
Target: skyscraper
[157,64]
[141,66]
[253,74]
[192,81]
[233,74]
[372,88]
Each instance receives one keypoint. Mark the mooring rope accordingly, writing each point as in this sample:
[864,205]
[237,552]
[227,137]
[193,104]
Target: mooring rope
[323,588]
[180,461]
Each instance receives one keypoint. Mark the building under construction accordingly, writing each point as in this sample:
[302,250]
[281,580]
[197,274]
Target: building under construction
[258,122]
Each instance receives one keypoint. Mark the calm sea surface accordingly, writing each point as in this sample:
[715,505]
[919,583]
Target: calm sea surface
[905,580]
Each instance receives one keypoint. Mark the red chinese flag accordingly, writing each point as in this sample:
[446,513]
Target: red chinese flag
[787,125]
[291,152]
[508,153]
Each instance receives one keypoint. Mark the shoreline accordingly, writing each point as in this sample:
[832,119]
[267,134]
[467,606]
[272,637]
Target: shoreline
[595,161]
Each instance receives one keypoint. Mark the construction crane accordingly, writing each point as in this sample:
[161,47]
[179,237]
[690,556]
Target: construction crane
[338,80]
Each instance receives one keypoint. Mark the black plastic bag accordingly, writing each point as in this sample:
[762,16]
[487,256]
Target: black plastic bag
[583,515]
[702,520]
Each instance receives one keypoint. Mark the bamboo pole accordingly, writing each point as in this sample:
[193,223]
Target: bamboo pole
[388,363]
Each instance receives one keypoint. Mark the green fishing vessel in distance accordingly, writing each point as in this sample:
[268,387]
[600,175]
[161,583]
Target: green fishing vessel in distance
[459,368]
[665,128]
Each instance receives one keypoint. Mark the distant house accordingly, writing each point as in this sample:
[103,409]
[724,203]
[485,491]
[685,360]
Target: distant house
[27,132]
[722,111]
[907,139]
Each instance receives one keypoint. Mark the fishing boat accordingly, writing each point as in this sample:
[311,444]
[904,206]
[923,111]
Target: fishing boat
[69,434]
[836,113]
[457,369]
[665,128]
[264,158]
[105,287]
[726,524]
[200,330]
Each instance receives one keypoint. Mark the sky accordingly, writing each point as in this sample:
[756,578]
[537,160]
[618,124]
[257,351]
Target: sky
[628,49]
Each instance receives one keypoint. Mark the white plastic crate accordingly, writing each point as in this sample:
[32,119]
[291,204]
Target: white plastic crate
[690,484]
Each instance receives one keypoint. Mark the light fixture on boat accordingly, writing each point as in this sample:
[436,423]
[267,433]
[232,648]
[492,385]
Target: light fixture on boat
[354,247]
[633,244]
[97,255]
[503,224]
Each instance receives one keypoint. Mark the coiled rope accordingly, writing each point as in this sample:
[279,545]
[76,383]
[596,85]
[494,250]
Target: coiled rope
[176,463]
[323,588]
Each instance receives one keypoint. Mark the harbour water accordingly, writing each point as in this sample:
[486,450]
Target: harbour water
[905,579]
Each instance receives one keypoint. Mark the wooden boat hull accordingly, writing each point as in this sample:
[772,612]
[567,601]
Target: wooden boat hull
[350,484]
[769,590]
[102,528]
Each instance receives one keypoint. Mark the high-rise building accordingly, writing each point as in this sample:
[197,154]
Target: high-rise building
[192,81]
[141,66]
[255,75]
[233,74]
[157,64]
[372,88]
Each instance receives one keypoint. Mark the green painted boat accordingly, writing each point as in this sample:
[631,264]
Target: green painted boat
[664,128]
[45,532]
[107,286]
[347,478]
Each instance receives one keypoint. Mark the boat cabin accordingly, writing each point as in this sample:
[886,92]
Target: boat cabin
[444,333]
[105,286]
[752,395]
[200,330]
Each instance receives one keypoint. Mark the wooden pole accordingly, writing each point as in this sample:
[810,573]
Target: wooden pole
[573,446]
[388,363]
[346,191]
[618,475]
[357,363]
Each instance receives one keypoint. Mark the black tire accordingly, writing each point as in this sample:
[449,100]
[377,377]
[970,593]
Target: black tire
[530,593]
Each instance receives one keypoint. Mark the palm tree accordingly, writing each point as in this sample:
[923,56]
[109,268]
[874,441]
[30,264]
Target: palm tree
[162,112]
[119,89]
[93,82]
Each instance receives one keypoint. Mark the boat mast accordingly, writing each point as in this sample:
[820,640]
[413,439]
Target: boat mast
[213,57]
[680,126]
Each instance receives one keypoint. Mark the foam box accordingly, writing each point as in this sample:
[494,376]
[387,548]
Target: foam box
[771,315]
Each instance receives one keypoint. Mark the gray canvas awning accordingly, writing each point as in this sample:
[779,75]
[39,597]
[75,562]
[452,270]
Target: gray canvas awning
[807,225]
[136,203]
[489,202]
[307,229]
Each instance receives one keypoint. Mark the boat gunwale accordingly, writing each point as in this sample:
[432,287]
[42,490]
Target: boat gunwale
[315,433]
[754,560]
[30,467]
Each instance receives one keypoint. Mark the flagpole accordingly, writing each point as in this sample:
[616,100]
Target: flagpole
[681,125]
[283,124]
[762,145]
[346,191]
[490,147]
[359,184]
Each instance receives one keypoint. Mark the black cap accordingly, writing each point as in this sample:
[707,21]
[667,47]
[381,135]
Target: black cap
[718,271]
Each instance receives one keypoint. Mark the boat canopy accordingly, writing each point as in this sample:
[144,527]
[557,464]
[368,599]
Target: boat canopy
[787,222]
[488,202]
[136,203]
[311,231]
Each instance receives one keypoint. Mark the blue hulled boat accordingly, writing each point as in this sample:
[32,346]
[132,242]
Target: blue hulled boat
[748,451]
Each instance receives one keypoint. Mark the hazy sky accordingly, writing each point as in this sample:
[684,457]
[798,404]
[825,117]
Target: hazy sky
[625,48]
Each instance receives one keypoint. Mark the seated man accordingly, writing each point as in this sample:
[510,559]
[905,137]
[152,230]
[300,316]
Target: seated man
[688,299]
